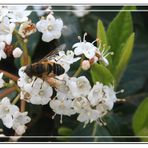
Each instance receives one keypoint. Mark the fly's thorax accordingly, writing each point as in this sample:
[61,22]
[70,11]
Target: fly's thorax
[37,69]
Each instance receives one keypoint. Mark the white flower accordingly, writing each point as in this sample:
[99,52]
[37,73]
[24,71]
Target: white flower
[86,48]
[110,98]
[62,107]
[50,27]
[80,103]
[96,94]
[20,119]
[7,111]
[6,30]
[80,10]
[2,53]
[85,65]
[24,79]
[43,96]
[86,113]
[79,86]
[1,80]
[66,59]
[3,12]
[102,109]
[102,94]
[17,52]
[18,13]
[63,90]
[26,29]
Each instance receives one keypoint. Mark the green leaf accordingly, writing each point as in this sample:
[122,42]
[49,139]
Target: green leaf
[101,34]
[93,132]
[130,8]
[118,31]
[64,131]
[144,132]
[123,57]
[140,119]
[102,74]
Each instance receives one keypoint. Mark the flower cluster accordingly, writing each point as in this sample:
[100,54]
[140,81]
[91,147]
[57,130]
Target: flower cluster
[11,116]
[9,17]
[12,16]
[74,95]
[66,94]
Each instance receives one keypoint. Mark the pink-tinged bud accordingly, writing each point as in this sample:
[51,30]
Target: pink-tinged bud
[85,65]
[17,52]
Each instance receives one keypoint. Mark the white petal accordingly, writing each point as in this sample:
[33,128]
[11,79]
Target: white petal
[2,45]
[8,121]
[5,101]
[59,24]
[47,37]
[20,130]
[8,39]
[78,51]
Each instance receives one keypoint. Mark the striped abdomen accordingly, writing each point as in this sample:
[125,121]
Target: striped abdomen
[40,69]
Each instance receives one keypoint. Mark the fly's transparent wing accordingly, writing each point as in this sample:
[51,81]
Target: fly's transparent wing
[54,52]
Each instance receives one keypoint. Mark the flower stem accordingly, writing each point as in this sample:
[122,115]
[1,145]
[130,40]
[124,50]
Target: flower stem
[22,105]
[79,69]
[95,128]
[9,75]
[16,99]
[25,58]
[24,61]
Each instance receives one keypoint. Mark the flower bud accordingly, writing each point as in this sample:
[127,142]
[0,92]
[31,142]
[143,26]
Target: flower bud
[17,52]
[85,65]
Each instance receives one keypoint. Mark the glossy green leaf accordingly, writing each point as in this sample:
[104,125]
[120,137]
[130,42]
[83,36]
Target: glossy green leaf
[91,133]
[102,74]
[123,57]
[101,34]
[118,32]
[140,119]
[64,131]
[144,133]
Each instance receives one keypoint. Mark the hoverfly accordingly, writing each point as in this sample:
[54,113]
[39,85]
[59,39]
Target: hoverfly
[46,68]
